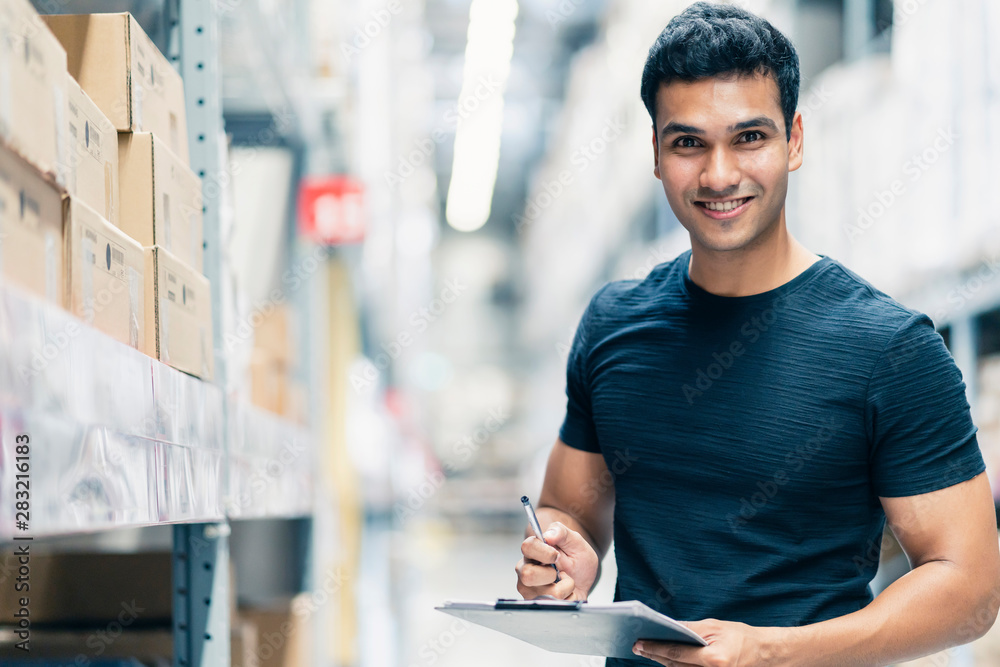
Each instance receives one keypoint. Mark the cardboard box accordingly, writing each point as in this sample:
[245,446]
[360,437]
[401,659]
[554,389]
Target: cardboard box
[242,643]
[125,74]
[283,632]
[105,270]
[269,383]
[32,88]
[31,228]
[161,198]
[92,164]
[50,647]
[93,589]
[178,314]
[275,334]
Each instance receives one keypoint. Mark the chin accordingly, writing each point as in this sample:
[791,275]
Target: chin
[725,242]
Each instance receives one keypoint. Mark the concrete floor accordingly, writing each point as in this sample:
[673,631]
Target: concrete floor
[479,568]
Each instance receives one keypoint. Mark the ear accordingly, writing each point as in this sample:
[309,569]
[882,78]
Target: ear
[656,156]
[795,146]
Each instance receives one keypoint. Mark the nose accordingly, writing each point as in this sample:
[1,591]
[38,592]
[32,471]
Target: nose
[721,172]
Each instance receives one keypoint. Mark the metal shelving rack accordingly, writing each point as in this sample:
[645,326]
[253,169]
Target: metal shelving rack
[201,551]
[195,445]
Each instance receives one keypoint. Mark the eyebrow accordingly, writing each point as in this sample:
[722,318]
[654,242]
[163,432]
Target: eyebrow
[759,121]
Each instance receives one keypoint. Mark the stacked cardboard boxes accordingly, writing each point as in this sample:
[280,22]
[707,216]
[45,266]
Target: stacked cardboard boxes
[59,185]
[105,271]
[32,89]
[157,199]
[32,151]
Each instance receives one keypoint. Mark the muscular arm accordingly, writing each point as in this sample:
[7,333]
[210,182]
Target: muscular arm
[579,492]
[950,597]
[575,511]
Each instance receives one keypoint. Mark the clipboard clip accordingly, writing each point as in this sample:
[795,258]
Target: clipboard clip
[543,603]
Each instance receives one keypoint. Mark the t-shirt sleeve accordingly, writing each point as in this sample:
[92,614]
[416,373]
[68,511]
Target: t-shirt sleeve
[578,429]
[919,425]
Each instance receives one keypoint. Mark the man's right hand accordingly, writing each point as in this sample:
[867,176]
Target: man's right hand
[576,559]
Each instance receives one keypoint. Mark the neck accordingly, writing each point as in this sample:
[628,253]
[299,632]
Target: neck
[751,270]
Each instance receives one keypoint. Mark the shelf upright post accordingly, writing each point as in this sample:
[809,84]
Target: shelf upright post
[201,595]
[964,344]
[201,551]
[199,66]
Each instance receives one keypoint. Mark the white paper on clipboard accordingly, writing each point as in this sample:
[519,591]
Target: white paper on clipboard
[583,628]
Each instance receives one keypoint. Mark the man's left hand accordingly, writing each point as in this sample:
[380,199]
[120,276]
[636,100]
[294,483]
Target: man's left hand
[729,645]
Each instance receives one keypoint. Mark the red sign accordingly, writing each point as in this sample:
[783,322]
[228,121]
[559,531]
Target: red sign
[331,210]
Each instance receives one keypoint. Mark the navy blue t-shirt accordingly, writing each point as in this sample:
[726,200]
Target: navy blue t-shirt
[751,437]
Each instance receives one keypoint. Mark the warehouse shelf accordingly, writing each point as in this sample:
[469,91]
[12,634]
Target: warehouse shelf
[119,439]
[270,464]
[122,440]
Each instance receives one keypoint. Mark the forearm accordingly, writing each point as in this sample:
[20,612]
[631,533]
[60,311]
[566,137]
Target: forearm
[935,606]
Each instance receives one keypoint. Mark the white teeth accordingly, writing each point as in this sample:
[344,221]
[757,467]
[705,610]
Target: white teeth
[725,206]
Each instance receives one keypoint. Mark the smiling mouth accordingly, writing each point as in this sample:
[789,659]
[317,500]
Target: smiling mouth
[723,206]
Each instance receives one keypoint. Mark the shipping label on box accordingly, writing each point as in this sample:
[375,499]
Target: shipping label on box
[161,197]
[32,89]
[125,74]
[178,314]
[105,270]
[31,231]
[92,165]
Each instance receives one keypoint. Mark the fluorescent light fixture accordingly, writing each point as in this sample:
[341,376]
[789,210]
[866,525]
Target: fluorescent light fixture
[480,105]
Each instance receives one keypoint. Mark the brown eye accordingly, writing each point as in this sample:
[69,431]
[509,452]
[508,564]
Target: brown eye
[686,142]
[751,137]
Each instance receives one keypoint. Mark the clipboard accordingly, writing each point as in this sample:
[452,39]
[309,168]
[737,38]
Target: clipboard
[572,626]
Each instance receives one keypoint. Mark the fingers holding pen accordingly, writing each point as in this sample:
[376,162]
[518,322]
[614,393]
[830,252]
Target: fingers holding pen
[537,550]
[561,590]
[535,574]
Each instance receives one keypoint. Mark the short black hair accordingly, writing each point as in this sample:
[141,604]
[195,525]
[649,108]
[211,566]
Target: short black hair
[707,40]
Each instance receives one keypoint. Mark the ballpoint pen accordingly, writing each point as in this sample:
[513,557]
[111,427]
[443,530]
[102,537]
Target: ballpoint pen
[535,526]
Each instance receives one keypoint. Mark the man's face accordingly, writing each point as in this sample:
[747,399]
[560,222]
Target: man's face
[721,153]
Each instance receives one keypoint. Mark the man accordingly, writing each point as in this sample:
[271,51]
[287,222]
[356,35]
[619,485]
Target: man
[746,419]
